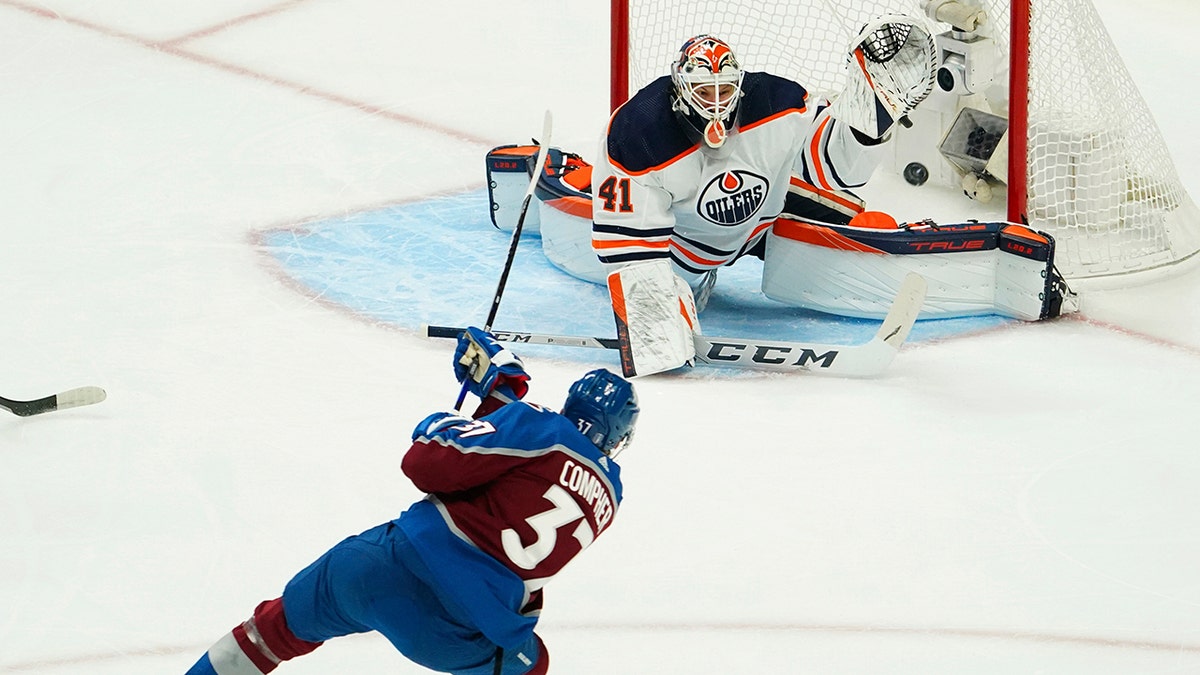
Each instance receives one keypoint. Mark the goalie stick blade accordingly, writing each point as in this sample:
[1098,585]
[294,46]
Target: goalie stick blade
[72,398]
[903,314]
[865,360]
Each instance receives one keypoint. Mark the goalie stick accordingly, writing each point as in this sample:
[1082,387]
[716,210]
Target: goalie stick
[72,398]
[543,153]
[864,360]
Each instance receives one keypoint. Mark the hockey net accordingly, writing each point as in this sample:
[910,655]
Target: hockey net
[1097,173]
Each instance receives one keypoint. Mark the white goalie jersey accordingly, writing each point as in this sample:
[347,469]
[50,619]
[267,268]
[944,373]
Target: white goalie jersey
[657,193]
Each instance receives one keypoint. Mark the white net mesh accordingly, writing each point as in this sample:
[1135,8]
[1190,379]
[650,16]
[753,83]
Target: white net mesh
[1100,175]
[800,39]
[1100,178]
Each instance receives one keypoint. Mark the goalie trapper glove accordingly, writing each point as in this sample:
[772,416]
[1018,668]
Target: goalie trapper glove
[484,364]
[892,69]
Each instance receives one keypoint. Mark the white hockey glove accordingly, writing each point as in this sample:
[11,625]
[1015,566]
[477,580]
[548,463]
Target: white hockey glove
[892,67]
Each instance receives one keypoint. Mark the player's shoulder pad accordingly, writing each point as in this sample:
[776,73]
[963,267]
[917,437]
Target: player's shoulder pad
[766,95]
[513,409]
[644,132]
[548,426]
[518,428]
[522,417]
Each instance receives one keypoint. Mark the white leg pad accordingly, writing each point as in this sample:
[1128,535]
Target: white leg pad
[567,243]
[863,284]
[1020,286]
[858,284]
[656,317]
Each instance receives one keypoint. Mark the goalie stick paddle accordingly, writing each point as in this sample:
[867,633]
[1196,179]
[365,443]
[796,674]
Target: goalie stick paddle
[72,398]
[864,360]
[543,153]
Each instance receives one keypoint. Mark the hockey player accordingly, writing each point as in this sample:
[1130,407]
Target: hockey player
[712,163]
[455,583]
[701,180]
[697,166]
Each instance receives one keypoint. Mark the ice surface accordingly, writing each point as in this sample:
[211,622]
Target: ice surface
[1021,500]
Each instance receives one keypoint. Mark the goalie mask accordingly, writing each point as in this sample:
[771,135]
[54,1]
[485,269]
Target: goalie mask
[604,407]
[708,84]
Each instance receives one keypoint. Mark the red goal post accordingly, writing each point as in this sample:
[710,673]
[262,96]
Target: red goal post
[1079,156]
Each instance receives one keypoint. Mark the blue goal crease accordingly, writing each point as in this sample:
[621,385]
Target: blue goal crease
[438,262]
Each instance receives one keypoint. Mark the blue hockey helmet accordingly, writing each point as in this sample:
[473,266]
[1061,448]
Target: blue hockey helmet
[604,407]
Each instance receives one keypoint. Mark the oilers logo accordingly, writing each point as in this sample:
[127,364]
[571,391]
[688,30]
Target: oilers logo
[732,198]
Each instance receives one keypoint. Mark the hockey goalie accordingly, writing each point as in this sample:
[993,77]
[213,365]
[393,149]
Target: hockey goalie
[712,163]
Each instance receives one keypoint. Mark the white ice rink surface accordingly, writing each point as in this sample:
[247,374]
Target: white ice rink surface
[1022,501]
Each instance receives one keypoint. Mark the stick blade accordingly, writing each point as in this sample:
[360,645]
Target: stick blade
[74,398]
[903,314]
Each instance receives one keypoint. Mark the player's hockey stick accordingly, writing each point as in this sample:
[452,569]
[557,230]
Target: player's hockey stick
[72,398]
[863,360]
[543,153]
